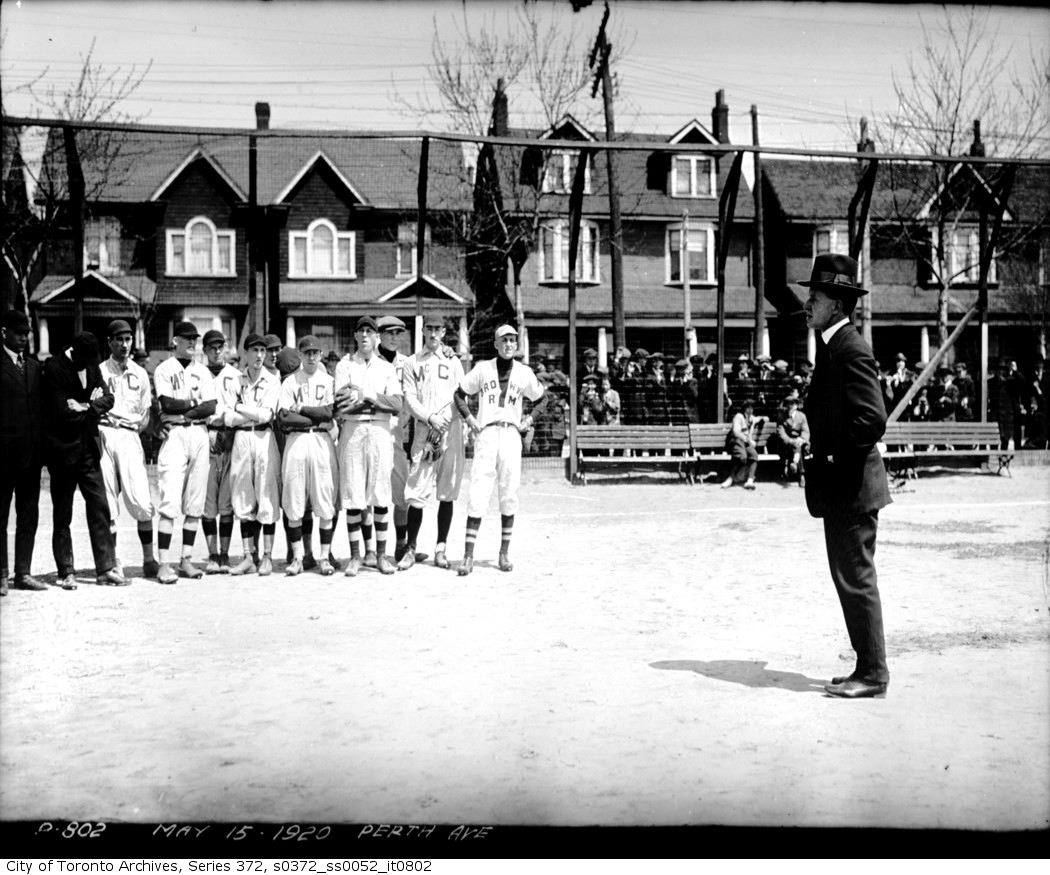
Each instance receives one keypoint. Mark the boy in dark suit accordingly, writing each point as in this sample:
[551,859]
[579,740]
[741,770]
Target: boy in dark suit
[21,433]
[75,398]
[846,479]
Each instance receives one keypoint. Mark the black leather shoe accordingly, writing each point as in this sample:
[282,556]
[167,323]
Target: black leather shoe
[842,678]
[466,566]
[854,688]
[27,581]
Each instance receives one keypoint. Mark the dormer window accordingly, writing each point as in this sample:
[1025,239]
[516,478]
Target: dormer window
[692,176]
[102,245]
[963,257]
[560,170]
[554,253]
[406,254]
[200,249]
[830,239]
[321,251]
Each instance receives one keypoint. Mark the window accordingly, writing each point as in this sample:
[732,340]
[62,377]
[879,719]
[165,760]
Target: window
[200,249]
[830,239]
[692,176]
[699,246]
[560,170]
[554,253]
[102,245]
[321,251]
[206,318]
[405,256]
[962,257]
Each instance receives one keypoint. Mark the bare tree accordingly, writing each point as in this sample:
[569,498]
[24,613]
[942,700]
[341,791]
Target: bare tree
[30,224]
[964,80]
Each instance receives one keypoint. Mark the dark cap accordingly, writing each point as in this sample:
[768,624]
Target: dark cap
[254,340]
[85,347]
[835,275]
[118,326]
[332,356]
[590,353]
[592,378]
[385,323]
[901,357]
[288,361]
[366,322]
[212,336]
[309,342]
[641,353]
[434,322]
[185,329]
[15,320]
[272,341]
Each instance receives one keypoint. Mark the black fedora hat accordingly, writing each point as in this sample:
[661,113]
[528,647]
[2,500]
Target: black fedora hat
[835,275]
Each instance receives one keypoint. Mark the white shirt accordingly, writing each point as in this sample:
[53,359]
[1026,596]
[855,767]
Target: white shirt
[264,392]
[301,389]
[829,333]
[132,396]
[82,374]
[227,385]
[483,381]
[429,381]
[374,377]
[192,383]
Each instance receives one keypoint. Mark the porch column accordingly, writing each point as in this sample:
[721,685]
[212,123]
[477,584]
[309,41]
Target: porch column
[764,341]
[464,335]
[140,336]
[603,349]
[216,322]
[690,341]
[289,331]
[417,334]
[45,335]
[924,344]
[523,343]
[811,346]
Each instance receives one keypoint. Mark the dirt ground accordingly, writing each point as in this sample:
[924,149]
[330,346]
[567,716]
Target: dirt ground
[656,657]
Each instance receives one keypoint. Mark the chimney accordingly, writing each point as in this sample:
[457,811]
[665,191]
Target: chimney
[720,117]
[977,147]
[262,116]
[500,126]
[865,143]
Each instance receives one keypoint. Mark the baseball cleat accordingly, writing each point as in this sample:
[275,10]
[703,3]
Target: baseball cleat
[150,568]
[504,563]
[384,565]
[294,567]
[353,566]
[407,561]
[166,574]
[224,563]
[266,566]
[213,565]
[326,568]
[188,569]
[309,562]
[439,559]
[466,566]
[370,560]
[422,557]
[68,583]
[245,566]
[399,551]
[113,577]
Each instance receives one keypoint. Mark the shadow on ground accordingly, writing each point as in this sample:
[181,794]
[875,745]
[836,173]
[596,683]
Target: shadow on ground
[749,673]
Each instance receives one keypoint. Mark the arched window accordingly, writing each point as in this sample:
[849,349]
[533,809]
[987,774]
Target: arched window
[200,249]
[554,253]
[321,251]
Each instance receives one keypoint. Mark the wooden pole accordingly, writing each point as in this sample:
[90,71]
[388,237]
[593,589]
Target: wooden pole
[77,206]
[575,218]
[421,226]
[726,210]
[760,243]
[683,263]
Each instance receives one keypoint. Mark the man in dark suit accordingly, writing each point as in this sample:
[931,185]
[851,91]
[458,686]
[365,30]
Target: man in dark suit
[21,432]
[846,479]
[76,397]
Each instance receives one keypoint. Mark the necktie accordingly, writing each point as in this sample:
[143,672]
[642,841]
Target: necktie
[21,364]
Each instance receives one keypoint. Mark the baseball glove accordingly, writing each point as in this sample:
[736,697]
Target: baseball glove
[434,444]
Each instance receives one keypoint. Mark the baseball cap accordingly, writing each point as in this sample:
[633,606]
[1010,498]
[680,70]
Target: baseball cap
[590,353]
[332,356]
[504,330]
[641,353]
[15,320]
[186,329]
[434,322]
[386,323]
[272,341]
[85,347]
[254,340]
[212,336]
[118,326]
[309,342]
[288,361]
[366,322]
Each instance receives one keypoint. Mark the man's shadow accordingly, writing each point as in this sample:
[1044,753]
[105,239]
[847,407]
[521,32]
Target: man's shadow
[750,673]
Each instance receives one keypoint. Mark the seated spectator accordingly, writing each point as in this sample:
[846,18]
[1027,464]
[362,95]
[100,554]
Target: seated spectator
[682,395]
[592,410]
[946,397]
[920,408]
[792,439]
[741,446]
[654,392]
[610,402]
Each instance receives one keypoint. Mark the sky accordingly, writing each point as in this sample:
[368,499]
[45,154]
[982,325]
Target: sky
[811,69]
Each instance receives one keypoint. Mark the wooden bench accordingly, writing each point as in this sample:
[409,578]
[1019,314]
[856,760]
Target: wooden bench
[709,442]
[916,443]
[634,446]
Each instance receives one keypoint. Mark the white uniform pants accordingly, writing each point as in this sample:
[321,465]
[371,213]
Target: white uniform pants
[307,472]
[444,476]
[366,461]
[497,462]
[182,471]
[254,476]
[124,472]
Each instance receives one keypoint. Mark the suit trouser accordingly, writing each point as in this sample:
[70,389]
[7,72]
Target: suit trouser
[24,485]
[64,481]
[850,540]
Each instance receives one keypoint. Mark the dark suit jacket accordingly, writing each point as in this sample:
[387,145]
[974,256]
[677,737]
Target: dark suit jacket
[847,417]
[21,413]
[72,434]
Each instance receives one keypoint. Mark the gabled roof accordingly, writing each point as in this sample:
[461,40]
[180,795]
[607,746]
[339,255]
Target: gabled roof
[134,288]
[566,122]
[431,289]
[942,190]
[318,157]
[690,132]
[198,154]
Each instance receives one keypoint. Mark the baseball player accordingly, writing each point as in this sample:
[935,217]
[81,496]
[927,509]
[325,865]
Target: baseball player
[305,412]
[435,432]
[254,460]
[367,394]
[123,461]
[500,384]
[391,330]
[186,393]
[218,504]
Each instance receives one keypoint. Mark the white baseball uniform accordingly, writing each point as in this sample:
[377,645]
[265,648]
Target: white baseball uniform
[399,434]
[430,379]
[308,465]
[497,448]
[123,461]
[182,463]
[366,449]
[255,460]
[219,499]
